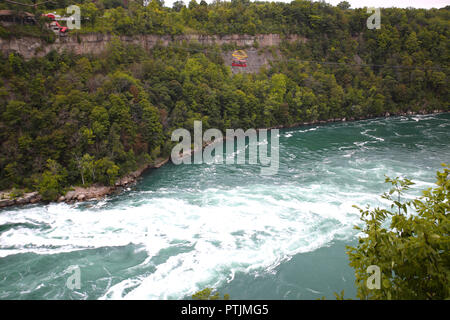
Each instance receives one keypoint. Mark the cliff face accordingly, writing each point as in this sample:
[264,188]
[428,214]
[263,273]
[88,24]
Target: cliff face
[96,43]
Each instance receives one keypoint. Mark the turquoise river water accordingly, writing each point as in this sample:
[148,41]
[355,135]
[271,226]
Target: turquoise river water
[183,228]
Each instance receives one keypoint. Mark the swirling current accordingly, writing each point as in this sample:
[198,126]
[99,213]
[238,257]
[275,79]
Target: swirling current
[186,227]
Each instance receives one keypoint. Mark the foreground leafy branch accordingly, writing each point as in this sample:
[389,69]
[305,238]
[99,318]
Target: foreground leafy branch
[207,294]
[412,253]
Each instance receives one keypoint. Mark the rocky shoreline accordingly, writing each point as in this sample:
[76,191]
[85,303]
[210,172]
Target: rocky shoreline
[76,194]
[386,115]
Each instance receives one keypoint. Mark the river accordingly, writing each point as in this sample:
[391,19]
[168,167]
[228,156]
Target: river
[186,227]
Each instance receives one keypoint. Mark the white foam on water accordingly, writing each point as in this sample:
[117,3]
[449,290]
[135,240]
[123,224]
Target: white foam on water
[365,133]
[310,129]
[247,229]
[196,238]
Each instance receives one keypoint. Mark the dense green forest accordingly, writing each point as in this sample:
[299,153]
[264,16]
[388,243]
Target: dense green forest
[310,19]
[77,120]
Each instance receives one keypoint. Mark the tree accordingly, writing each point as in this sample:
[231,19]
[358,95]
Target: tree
[100,121]
[89,12]
[193,4]
[152,126]
[344,5]
[178,5]
[14,112]
[412,43]
[413,252]
[107,171]
[51,182]
[86,166]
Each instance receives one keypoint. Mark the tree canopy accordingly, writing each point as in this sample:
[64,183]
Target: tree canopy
[96,118]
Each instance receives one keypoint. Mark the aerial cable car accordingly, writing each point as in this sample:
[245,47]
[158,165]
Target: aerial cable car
[239,58]
[54,25]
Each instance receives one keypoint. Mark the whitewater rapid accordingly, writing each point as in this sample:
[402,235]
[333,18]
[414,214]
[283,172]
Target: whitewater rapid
[183,228]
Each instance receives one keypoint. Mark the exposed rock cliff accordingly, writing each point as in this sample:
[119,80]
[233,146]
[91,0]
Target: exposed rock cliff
[96,43]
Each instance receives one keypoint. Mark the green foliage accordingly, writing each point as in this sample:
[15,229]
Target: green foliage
[344,5]
[50,183]
[152,126]
[411,249]
[207,294]
[339,296]
[306,18]
[107,171]
[118,109]
[15,193]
